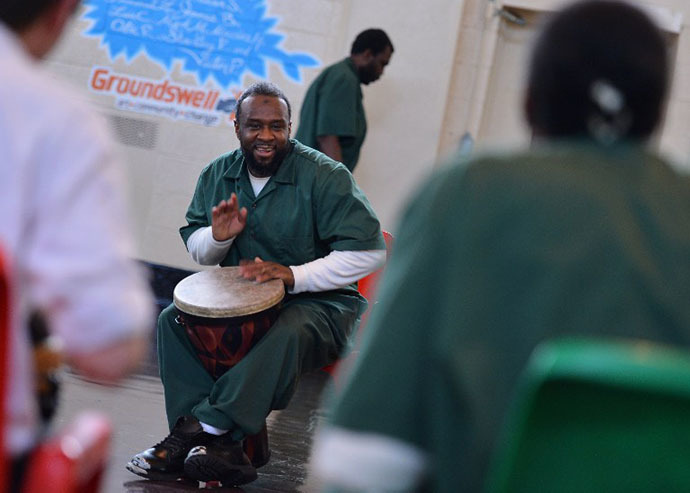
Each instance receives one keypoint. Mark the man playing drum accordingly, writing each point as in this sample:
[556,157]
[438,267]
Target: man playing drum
[280,210]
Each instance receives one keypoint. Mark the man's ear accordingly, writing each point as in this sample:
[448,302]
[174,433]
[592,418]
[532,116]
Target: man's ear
[528,108]
[44,32]
[60,13]
[237,128]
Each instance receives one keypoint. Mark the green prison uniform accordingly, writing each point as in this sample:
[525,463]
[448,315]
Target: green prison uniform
[333,106]
[491,258]
[310,207]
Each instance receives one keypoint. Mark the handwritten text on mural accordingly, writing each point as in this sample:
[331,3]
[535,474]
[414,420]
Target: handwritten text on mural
[222,39]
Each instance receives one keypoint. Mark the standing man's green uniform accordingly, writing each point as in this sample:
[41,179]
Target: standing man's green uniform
[332,119]
[333,106]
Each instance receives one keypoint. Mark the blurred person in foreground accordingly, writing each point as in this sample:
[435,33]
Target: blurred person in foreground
[64,236]
[586,233]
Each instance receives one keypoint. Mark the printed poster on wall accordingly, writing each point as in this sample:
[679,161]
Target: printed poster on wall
[218,41]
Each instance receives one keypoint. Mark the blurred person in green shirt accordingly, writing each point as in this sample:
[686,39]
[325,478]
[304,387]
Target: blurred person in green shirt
[586,233]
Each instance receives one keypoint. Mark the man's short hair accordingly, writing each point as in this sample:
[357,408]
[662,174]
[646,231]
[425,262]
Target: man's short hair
[598,62]
[375,40]
[18,14]
[262,89]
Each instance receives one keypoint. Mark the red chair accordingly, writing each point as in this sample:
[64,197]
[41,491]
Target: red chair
[73,460]
[367,287]
[256,446]
[4,353]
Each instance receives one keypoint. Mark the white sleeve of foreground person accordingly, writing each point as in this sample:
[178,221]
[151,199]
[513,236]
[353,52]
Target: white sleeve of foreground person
[79,254]
[365,462]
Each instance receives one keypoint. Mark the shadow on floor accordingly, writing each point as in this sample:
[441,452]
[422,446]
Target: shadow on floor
[136,409]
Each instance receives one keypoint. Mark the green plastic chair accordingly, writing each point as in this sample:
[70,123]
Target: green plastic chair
[598,416]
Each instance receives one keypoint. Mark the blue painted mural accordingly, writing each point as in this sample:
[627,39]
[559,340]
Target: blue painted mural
[218,39]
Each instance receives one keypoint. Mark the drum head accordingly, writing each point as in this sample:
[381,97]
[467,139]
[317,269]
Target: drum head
[223,292]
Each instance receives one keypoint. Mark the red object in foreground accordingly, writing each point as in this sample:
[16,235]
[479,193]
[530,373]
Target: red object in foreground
[73,460]
[367,288]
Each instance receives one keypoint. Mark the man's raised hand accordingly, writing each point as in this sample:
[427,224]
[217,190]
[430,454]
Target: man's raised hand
[227,219]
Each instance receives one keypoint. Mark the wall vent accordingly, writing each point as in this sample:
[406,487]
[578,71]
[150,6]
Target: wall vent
[134,132]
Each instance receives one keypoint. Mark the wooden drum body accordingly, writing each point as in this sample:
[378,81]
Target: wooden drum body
[225,315]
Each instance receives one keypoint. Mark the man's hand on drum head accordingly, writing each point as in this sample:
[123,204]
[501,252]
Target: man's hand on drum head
[227,219]
[260,271]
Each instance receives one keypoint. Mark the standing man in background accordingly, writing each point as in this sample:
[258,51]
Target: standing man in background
[64,236]
[332,119]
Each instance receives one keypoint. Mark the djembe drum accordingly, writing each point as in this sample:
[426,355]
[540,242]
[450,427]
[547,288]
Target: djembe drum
[225,315]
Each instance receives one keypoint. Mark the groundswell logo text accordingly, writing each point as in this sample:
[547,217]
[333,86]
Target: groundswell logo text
[164,98]
[218,41]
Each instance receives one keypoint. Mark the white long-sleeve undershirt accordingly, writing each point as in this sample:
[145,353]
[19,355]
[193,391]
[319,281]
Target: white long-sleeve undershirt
[335,270]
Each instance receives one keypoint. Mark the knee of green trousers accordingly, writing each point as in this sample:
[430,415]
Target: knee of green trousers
[306,336]
[185,380]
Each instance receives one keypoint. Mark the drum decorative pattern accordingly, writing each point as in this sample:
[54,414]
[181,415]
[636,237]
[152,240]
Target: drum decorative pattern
[221,343]
[225,315]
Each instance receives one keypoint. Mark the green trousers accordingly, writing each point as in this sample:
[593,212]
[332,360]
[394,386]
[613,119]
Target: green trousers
[310,332]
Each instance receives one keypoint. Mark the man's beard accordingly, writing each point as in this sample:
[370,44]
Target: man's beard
[262,170]
[367,75]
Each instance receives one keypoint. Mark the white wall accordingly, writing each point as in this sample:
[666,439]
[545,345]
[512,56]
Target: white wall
[457,68]
[405,107]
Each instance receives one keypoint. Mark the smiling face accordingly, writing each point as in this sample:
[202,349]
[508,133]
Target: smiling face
[263,130]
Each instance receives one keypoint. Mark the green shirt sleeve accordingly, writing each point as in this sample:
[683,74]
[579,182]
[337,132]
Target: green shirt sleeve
[395,361]
[344,218]
[400,386]
[197,212]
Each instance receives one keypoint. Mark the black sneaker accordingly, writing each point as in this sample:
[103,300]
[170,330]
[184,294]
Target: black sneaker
[165,460]
[220,460]
[257,449]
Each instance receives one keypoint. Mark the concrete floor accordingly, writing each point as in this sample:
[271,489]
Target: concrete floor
[138,416]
